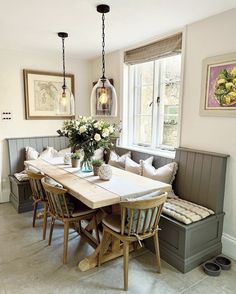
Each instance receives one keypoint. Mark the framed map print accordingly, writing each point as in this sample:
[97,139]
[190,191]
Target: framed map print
[42,91]
[219,86]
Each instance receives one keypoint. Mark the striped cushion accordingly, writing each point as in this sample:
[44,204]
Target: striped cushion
[185,211]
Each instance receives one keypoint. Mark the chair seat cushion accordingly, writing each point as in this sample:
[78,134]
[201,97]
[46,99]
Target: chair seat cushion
[185,211]
[113,221]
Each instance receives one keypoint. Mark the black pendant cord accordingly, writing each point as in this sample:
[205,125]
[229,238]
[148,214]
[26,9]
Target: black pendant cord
[103,47]
[64,67]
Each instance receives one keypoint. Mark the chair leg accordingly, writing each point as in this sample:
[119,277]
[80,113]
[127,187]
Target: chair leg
[34,214]
[156,243]
[103,246]
[126,264]
[66,233]
[51,231]
[45,208]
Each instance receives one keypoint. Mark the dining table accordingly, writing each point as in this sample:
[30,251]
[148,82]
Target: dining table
[98,194]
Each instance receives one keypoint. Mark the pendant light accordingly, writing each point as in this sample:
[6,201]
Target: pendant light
[103,96]
[66,100]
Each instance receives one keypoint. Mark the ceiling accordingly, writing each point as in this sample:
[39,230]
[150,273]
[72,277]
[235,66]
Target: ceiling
[33,25]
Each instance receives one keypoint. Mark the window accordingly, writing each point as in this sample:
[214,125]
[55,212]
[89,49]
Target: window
[153,106]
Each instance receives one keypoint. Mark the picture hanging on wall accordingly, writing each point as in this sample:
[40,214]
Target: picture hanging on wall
[219,86]
[43,93]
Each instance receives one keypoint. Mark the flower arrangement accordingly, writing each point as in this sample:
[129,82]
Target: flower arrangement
[89,134]
[225,89]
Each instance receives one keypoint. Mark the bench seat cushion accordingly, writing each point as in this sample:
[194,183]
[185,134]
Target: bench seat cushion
[185,211]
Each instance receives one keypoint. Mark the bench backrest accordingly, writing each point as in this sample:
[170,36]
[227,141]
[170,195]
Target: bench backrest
[16,148]
[200,177]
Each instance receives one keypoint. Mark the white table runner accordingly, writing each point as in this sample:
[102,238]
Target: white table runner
[123,183]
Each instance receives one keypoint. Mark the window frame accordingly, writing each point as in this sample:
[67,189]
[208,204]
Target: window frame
[125,103]
[157,124]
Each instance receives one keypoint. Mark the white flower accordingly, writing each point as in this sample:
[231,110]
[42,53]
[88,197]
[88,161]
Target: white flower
[97,137]
[96,125]
[82,129]
[111,129]
[105,132]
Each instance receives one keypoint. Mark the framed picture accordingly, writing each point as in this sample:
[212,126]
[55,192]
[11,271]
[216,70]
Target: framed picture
[42,92]
[218,97]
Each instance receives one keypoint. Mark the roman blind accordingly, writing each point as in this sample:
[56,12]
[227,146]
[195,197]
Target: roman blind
[162,48]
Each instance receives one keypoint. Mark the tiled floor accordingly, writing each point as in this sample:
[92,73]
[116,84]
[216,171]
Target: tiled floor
[28,265]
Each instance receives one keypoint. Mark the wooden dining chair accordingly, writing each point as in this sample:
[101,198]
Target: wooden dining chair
[39,197]
[138,221]
[62,209]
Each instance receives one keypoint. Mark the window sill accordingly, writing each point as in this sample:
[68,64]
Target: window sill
[159,152]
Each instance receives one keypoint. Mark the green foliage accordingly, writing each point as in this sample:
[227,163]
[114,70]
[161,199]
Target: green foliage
[97,162]
[76,155]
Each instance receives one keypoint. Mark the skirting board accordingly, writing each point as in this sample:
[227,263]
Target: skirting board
[4,196]
[229,246]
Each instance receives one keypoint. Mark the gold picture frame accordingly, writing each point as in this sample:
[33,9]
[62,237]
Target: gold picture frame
[41,90]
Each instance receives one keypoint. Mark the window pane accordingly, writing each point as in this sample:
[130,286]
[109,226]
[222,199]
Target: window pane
[170,71]
[143,130]
[143,97]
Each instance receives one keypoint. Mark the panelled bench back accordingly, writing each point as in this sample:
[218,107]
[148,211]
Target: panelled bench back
[20,195]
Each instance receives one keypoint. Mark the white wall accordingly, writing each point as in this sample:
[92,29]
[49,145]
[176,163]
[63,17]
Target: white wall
[206,38]
[210,37]
[12,98]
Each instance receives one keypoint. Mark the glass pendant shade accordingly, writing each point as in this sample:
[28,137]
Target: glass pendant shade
[103,99]
[65,103]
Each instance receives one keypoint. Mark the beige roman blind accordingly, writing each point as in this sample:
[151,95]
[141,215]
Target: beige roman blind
[163,48]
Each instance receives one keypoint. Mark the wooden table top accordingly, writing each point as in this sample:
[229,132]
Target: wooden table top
[94,192]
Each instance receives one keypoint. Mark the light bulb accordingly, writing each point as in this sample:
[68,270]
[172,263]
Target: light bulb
[103,97]
[63,98]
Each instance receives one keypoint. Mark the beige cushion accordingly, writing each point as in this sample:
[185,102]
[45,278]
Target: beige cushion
[113,221]
[185,211]
[165,174]
[99,154]
[49,152]
[135,167]
[31,153]
[52,182]
[118,161]
[62,152]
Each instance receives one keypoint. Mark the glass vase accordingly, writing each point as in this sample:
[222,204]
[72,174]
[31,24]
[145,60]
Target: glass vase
[86,165]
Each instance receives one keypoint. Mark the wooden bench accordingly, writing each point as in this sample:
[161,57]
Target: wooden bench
[20,192]
[200,179]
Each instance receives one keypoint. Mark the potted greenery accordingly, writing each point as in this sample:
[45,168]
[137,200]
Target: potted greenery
[96,163]
[75,159]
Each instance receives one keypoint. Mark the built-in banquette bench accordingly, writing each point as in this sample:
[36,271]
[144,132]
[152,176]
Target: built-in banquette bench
[20,195]
[201,180]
